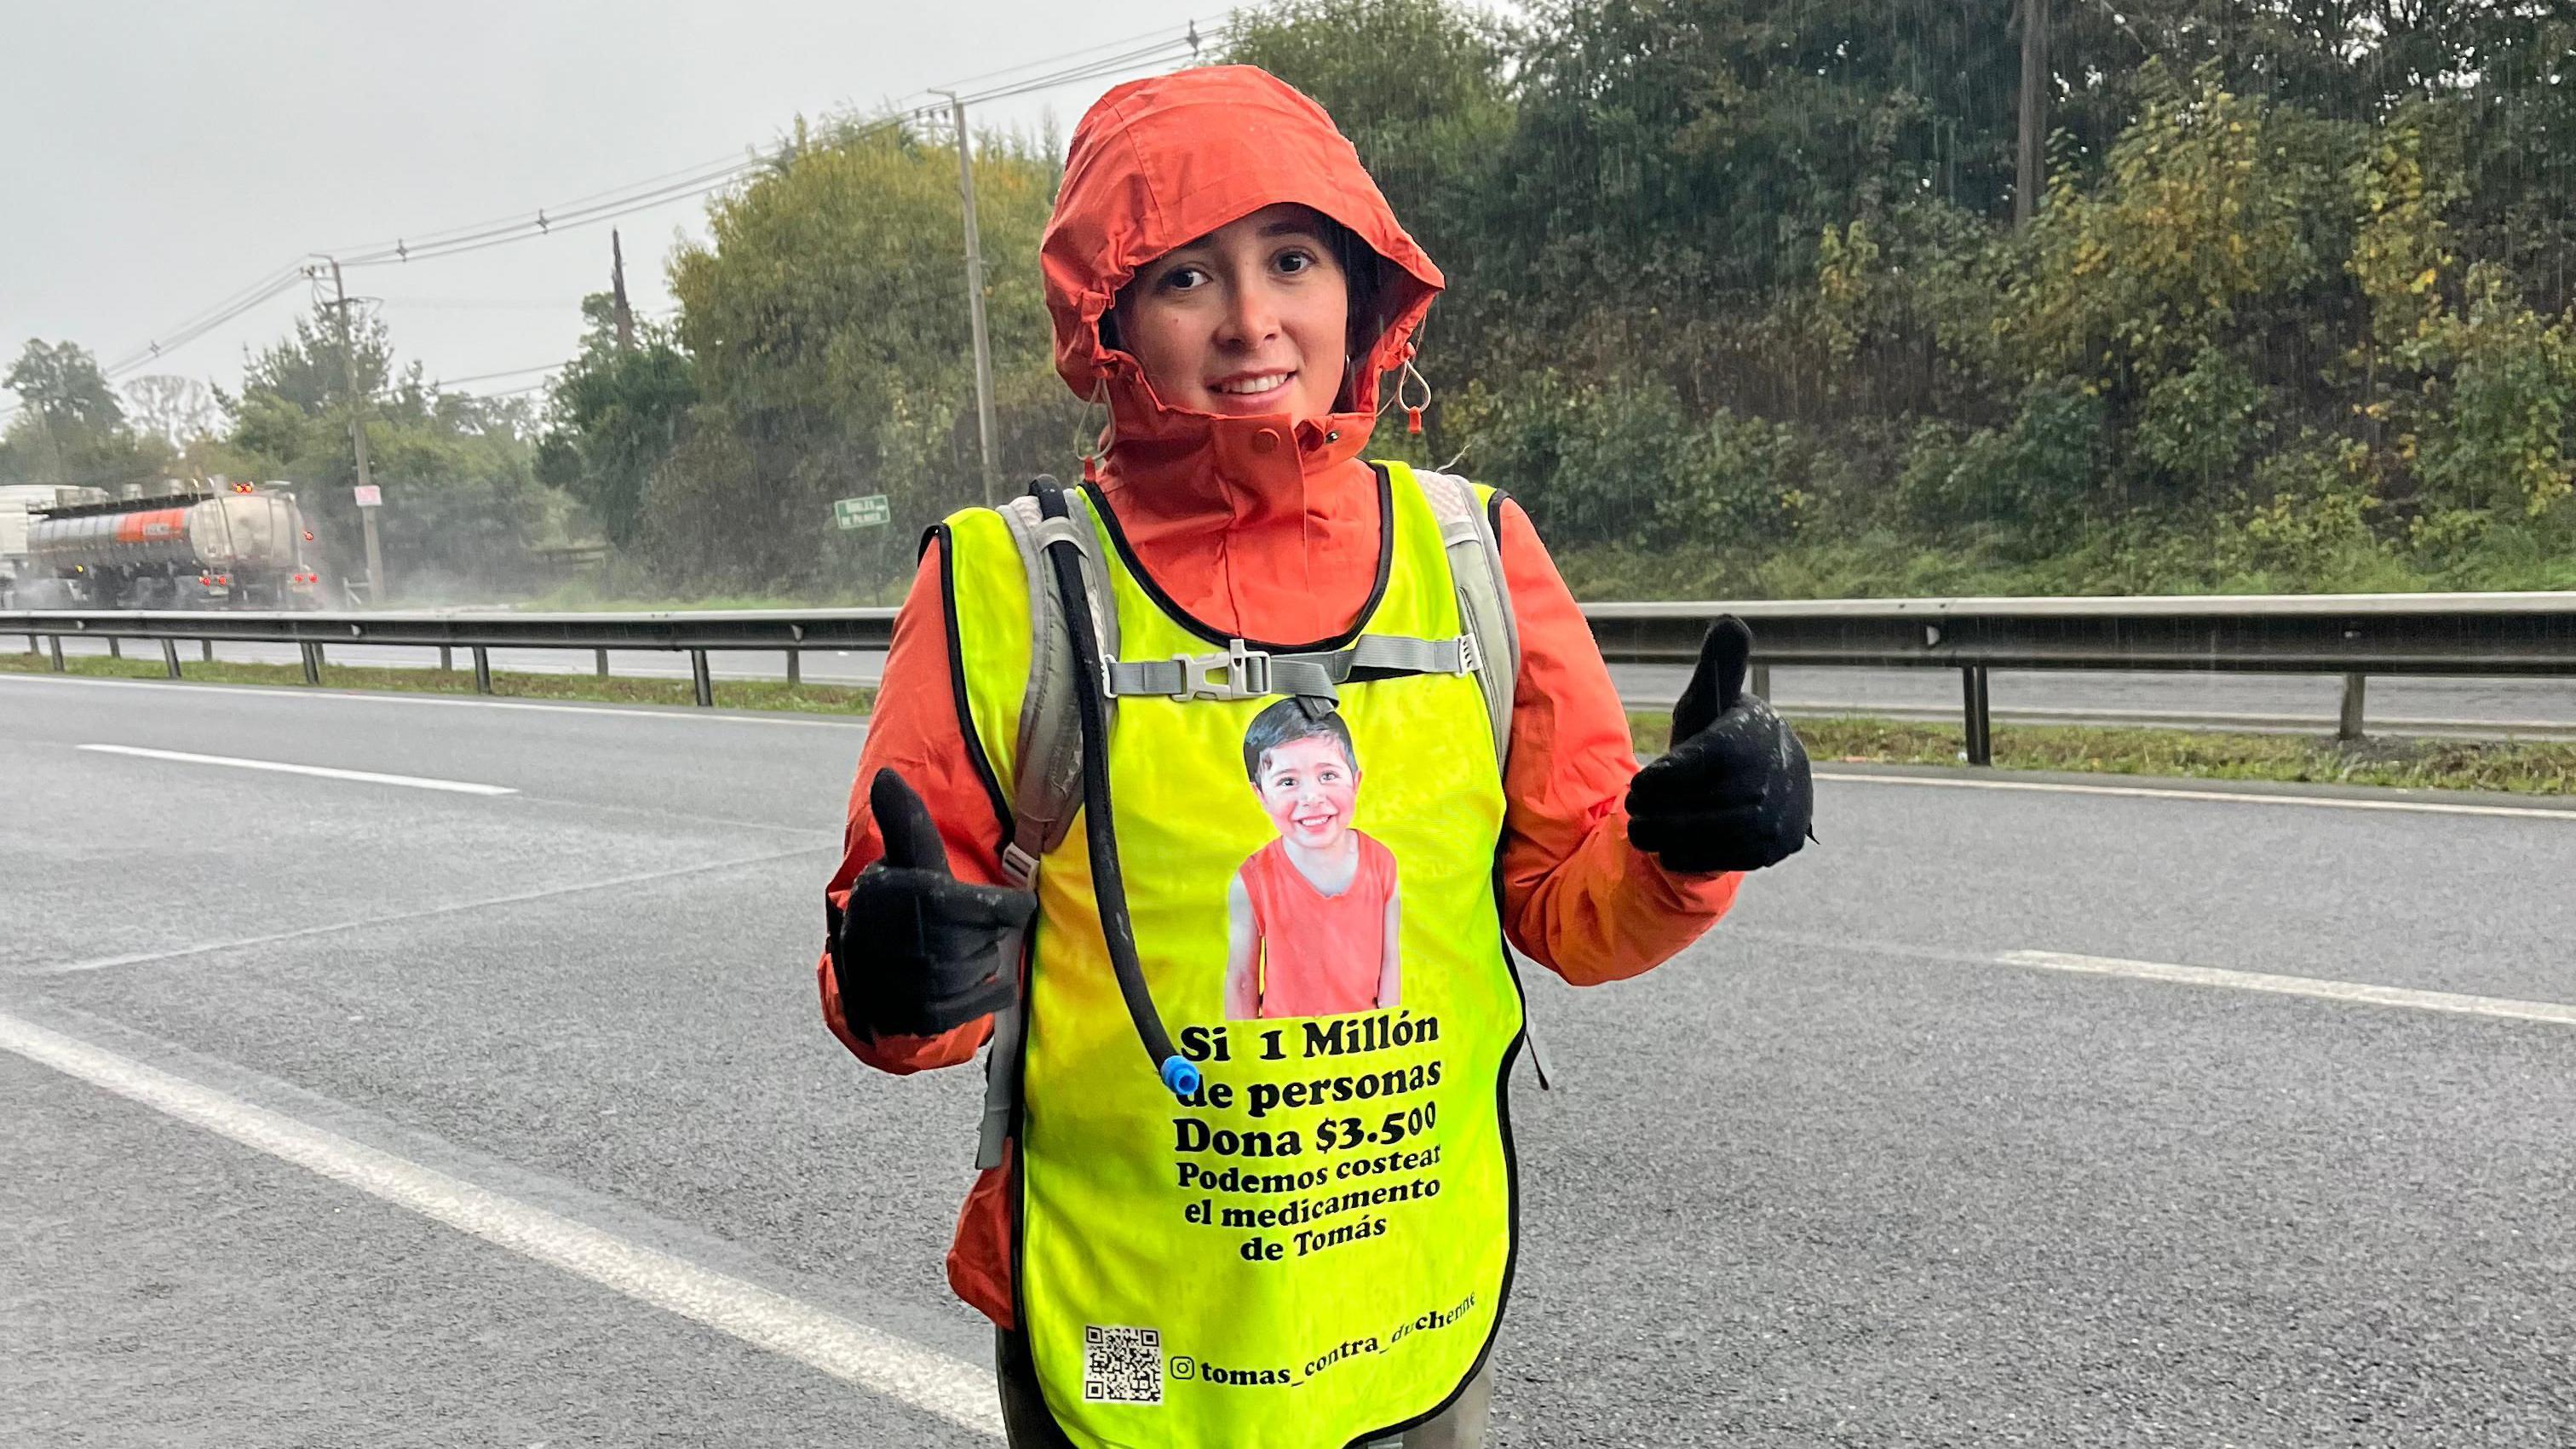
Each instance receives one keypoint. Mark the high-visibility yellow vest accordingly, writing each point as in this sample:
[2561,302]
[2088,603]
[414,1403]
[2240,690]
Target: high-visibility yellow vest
[1313,1249]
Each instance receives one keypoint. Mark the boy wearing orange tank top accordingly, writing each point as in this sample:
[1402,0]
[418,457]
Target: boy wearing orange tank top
[1311,917]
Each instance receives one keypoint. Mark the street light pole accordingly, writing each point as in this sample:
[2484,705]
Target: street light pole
[975,298]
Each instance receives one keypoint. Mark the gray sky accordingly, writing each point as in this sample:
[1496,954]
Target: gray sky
[163,157]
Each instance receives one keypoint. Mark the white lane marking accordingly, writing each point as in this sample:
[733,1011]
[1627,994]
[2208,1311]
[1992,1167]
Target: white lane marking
[2233,797]
[2348,991]
[399,697]
[101,963]
[879,1362]
[2315,986]
[281,767]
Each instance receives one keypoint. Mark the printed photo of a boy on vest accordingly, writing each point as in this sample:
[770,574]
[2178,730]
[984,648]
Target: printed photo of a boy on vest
[1311,917]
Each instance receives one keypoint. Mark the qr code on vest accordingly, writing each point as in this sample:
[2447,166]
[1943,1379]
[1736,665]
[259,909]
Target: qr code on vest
[1121,1365]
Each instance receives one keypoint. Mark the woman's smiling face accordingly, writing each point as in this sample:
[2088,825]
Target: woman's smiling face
[1310,788]
[1251,320]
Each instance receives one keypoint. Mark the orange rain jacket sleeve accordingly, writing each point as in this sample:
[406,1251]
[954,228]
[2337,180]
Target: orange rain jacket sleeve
[1577,897]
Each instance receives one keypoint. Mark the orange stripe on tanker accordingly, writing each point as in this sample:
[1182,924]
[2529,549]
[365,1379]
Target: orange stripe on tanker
[149,527]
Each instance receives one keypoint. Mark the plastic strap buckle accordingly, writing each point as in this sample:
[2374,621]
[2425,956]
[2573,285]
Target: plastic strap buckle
[1247,673]
[1019,866]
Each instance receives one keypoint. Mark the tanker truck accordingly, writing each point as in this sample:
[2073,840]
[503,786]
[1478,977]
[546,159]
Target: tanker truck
[16,568]
[180,545]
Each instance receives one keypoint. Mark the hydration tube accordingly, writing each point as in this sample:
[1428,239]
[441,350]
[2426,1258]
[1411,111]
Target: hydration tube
[1108,884]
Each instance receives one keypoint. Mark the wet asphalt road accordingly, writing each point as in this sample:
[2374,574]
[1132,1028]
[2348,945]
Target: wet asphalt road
[1835,1176]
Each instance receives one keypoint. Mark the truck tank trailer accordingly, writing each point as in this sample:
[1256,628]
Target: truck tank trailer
[185,545]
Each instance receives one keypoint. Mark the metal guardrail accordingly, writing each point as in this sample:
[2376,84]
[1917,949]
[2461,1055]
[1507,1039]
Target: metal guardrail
[696,632]
[2455,634]
[2353,635]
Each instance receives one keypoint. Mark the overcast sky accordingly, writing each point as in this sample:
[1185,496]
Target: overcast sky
[162,157]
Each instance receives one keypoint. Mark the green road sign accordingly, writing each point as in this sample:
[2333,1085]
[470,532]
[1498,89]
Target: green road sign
[868,512]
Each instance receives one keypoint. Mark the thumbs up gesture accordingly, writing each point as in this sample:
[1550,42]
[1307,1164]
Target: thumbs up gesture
[1734,792]
[918,951]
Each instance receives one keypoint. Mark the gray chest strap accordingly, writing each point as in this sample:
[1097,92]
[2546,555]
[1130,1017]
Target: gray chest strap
[1240,671]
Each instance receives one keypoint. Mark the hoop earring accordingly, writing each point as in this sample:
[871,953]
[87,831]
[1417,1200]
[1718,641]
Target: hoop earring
[1412,410]
[1087,443]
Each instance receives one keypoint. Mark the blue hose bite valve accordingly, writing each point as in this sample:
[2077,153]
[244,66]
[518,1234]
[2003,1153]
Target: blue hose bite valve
[1181,1076]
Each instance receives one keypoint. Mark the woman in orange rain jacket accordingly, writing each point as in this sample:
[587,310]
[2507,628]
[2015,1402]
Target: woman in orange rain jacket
[1220,268]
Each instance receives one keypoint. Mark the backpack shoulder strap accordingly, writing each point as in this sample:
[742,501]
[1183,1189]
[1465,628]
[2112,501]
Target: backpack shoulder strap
[1484,598]
[1046,759]
[1468,532]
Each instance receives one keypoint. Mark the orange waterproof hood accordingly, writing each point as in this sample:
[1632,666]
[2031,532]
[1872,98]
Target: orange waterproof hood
[1157,164]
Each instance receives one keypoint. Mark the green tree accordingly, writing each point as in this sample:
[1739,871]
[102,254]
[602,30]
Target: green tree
[462,503]
[613,417]
[62,382]
[828,340]
[1696,149]
[70,428]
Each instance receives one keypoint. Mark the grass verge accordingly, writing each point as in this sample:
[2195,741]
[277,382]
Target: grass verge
[2529,768]
[2533,768]
[729,693]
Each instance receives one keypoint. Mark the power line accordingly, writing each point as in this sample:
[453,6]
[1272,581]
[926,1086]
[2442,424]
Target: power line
[443,382]
[670,187]
[392,387]
[287,272]
[548,220]
[478,304]
[207,321]
[477,226]
[617,202]
[1143,57]
[964,81]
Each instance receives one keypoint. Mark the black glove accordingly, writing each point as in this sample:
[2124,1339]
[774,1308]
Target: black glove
[918,951]
[1734,791]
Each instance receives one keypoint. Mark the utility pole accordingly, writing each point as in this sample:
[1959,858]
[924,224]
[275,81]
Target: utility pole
[2034,110]
[53,449]
[617,289]
[358,440]
[975,297]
